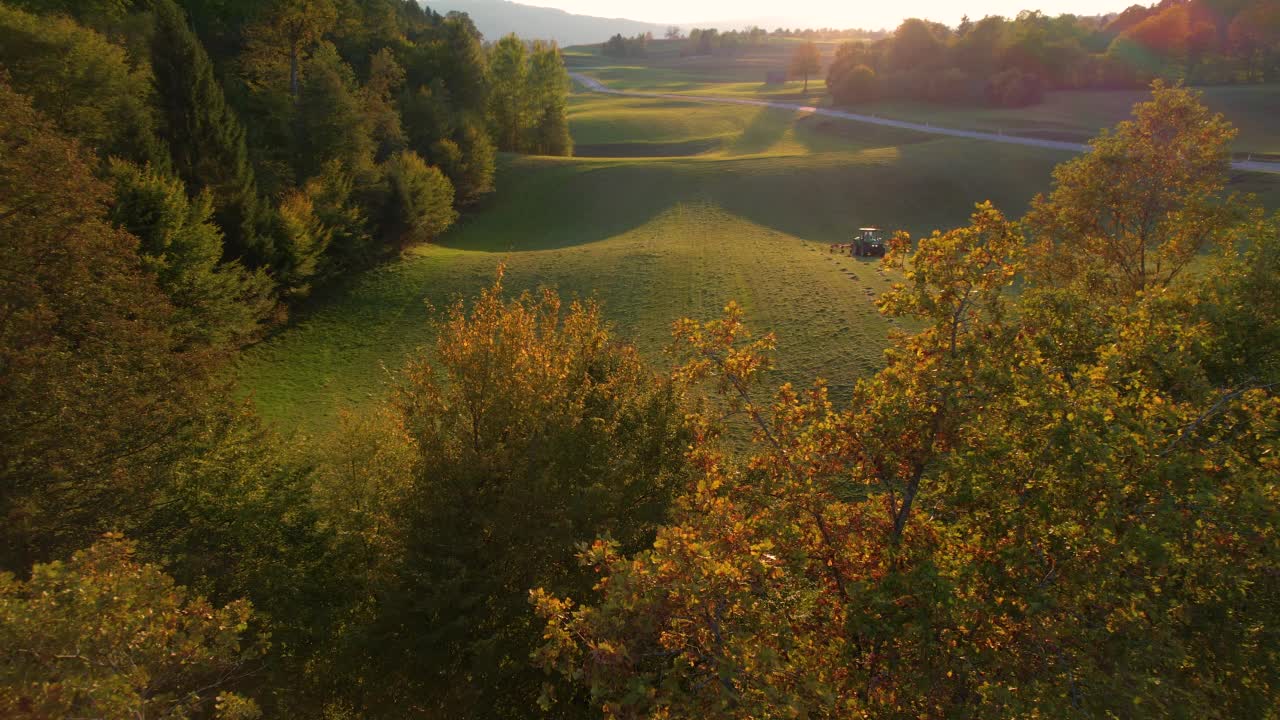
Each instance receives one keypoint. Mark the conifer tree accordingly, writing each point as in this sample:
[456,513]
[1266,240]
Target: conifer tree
[219,305]
[205,136]
[331,121]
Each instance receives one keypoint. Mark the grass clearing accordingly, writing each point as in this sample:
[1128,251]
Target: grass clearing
[678,208]
[656,239]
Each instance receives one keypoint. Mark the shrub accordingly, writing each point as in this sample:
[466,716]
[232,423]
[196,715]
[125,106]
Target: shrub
[420,199]
[858,84]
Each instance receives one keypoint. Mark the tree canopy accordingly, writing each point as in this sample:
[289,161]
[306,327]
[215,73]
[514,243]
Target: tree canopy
[1048,503]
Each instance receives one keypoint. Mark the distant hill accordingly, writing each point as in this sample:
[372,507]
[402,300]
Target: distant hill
[496,18]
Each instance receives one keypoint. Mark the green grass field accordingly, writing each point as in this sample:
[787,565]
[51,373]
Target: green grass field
[1072,115]
[745,213]
[671,210]
[1077,115]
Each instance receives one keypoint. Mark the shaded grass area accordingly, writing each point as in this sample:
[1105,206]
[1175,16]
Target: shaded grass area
[695,205]
[656,239]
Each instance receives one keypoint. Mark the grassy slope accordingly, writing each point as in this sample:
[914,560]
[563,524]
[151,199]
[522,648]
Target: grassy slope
[676,208]
[659,238]
[1074,115]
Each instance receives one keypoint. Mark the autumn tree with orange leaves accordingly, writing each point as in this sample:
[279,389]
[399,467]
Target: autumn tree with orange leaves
[1051,502]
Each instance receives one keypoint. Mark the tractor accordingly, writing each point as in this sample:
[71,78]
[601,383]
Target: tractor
[868,242]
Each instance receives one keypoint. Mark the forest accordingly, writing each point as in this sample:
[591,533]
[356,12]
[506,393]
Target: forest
[1059,497]
[1012,62]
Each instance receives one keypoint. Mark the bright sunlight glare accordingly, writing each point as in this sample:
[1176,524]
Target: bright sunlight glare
[818,13]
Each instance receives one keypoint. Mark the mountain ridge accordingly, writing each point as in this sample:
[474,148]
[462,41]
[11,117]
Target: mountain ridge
[496,18]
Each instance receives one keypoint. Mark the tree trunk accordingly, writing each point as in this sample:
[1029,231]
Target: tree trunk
[293,74]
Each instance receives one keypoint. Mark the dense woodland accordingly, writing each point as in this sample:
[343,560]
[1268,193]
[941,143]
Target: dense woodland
[1059,498]
[281,145]
[1011,62]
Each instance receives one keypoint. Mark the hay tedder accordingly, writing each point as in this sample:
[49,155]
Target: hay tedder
[867,242]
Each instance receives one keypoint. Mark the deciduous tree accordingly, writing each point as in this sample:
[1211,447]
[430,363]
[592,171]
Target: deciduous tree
[96,393]
[105,635]
[806,61]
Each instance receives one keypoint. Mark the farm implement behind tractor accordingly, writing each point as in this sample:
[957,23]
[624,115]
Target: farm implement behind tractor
[867,242]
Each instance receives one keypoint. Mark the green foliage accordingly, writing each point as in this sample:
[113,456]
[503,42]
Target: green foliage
[378,97]
[88,86]
[104,635]
[218,305]
[420,199]
[235,519]
[305,237]
[80,9]
[206,138]
[854,85]
[528,98]
[548,101]
[469,163]
[509,108]
[331,117]
[1009,62]
[1126,233]
[1014,88]
[533,429]
[284,38]
[97,392]
[342,219]
[621,47]
[805,62]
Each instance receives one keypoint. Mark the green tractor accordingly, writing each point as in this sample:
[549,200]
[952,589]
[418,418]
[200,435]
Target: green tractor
[868,242]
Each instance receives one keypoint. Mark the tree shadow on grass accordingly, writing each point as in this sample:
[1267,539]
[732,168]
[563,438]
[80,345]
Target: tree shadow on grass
[545,204]
[766,129]
[917,187]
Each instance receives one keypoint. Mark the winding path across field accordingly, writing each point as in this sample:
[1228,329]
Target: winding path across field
[596,86]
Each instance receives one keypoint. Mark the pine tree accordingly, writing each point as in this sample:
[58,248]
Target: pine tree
[331,122]
[218,304]
[205,137]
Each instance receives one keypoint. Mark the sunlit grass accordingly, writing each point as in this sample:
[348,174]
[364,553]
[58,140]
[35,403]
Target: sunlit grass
[678,208]
[655,239]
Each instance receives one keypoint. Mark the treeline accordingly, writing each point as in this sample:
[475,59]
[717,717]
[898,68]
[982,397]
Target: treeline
[262,150]
[1011,62]
[619,46]
[710,41]
[172,177]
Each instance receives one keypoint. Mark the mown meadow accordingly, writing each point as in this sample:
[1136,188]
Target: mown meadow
[669,209]
[696,205]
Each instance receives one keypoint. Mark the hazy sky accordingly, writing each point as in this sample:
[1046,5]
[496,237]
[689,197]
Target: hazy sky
[825,13]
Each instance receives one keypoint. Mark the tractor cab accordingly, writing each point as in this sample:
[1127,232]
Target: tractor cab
[869,242]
